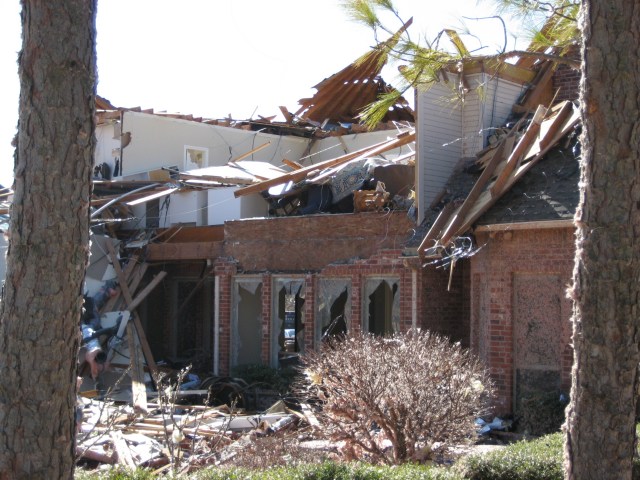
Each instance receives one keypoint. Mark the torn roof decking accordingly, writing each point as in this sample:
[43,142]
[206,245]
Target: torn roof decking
[135,192]
[342,96]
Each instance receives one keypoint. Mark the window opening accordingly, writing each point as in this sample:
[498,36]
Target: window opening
[246,334]
[338,324]
[333,307]
[383,309]
[288,340]
[192,325]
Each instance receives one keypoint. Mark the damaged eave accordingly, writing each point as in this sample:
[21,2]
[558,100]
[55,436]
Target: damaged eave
[504,71]
[538,225]
[186,243]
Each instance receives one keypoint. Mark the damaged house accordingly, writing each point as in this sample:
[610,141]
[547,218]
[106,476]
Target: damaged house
[249,242]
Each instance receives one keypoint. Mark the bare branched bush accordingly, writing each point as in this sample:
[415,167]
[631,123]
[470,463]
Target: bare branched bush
[398,398]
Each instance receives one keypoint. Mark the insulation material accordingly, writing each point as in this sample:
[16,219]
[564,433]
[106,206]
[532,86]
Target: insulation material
[390,303]
[329,290]
[246,322]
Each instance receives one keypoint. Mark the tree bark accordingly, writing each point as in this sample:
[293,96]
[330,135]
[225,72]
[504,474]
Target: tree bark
[48,240]
[600,429]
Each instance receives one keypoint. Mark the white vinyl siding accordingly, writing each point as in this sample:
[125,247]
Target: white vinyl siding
[450,129]
[439,133]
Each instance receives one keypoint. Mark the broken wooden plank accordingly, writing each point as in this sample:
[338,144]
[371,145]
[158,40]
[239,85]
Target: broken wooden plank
[153,196]
[122,449]
[136,320]
[523,145]
[97,454]
[486,200]
[505,146]
[218,179]
[309,415]
[128,270]
[288,117]
[297,175]
[138,387]
[292,164]
[250,152]
[539,89]
[434,232]
[547,134]
[135,277]
[146,290]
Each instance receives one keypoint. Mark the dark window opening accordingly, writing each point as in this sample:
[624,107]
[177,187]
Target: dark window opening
[381,303]
[291,333]
[338,325]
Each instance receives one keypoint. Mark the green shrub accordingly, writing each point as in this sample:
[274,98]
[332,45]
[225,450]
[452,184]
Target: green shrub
[332,471]
[539,459]
[116,473]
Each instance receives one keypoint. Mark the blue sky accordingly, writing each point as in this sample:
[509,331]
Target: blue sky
[213,58]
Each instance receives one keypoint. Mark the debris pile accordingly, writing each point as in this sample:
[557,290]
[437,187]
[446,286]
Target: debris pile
[179,437]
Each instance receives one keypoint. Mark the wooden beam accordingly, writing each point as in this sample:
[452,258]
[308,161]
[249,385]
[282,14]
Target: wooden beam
[251,152]
[147,290]
[486,200]
[286,114]
[297,175]
[134,279]
[128,273]
[218,179]
[122,449]
[478,187]
[292,164]
[537,225]
[538,89]
[136,372]
[523,145]
[436,228]
[153,368]
[153,196]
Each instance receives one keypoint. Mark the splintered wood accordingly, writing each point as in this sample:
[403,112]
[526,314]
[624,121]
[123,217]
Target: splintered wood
[502,166]
[172,435]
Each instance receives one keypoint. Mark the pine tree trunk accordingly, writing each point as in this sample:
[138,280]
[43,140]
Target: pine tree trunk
[48,240]
[601,417]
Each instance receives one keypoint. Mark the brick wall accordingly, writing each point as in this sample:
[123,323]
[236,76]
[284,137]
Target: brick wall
[385,263]
[224,269]
[520,316]
[445,307]
[566,80]
[314,241]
